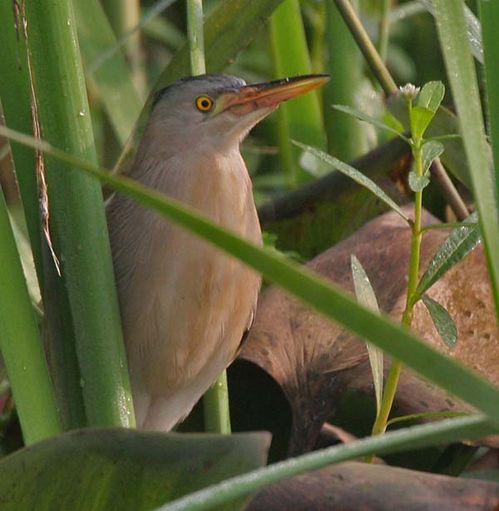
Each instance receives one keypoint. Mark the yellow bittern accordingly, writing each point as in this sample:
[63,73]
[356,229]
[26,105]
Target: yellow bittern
[185,305]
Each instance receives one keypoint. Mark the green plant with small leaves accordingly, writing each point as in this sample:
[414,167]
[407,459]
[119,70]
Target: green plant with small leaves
[421,107]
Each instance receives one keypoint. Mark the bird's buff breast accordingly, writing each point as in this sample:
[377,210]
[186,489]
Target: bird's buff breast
[185,304]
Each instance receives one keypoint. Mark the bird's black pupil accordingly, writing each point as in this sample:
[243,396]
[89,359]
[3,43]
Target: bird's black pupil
[205,103]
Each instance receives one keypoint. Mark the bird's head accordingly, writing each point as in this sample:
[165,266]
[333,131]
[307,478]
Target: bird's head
[219,110]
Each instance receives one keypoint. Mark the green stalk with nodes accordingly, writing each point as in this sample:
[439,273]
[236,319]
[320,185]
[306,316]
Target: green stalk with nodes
[423,152]
[421,107]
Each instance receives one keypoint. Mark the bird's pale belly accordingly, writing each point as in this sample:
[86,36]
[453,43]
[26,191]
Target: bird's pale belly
[185,306]
[195,331]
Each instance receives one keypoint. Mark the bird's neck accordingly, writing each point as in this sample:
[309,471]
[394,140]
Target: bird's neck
[199,176]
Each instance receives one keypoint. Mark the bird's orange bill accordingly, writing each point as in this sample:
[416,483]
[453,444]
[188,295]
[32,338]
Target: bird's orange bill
[269,94]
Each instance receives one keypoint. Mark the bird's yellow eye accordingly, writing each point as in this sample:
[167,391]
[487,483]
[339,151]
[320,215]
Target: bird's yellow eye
[204,103]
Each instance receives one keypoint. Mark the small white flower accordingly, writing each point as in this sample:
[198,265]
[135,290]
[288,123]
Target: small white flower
[409,90]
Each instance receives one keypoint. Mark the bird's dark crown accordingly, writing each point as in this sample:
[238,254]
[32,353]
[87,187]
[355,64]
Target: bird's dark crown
[216,82]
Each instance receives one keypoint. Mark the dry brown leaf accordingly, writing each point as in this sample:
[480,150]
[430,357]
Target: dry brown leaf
[315,361]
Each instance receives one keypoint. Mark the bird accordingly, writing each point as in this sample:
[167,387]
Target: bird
[185,305]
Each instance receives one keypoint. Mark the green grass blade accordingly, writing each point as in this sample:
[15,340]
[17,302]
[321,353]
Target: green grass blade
[409,438]
[307,286]
[354,174]
[111,83]
[460,242]
[20,344]
[473,30]
[300,119]
[462,76]
[77,214]
[15,98]
[489,15]
[345,138]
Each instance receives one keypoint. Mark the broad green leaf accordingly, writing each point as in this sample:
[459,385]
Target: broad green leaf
[371,120]
[442,320]
[460,242]
[431,150]
[418,183]
[104,469]
[473,29]
[357,176]
[431,96]
[420,120]
[461,72]
[312,289]
[414,437]
[366,296]
[426,105]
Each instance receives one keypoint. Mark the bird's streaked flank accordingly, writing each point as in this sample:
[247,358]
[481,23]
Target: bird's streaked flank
[185,305]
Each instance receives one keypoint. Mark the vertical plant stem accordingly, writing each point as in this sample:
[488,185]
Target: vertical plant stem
[416,237]
[345,135]
[366,46]
[195,32]
[384,29]
[300,119]
[216,399]
[77,214]
[216,407]
[20,344]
